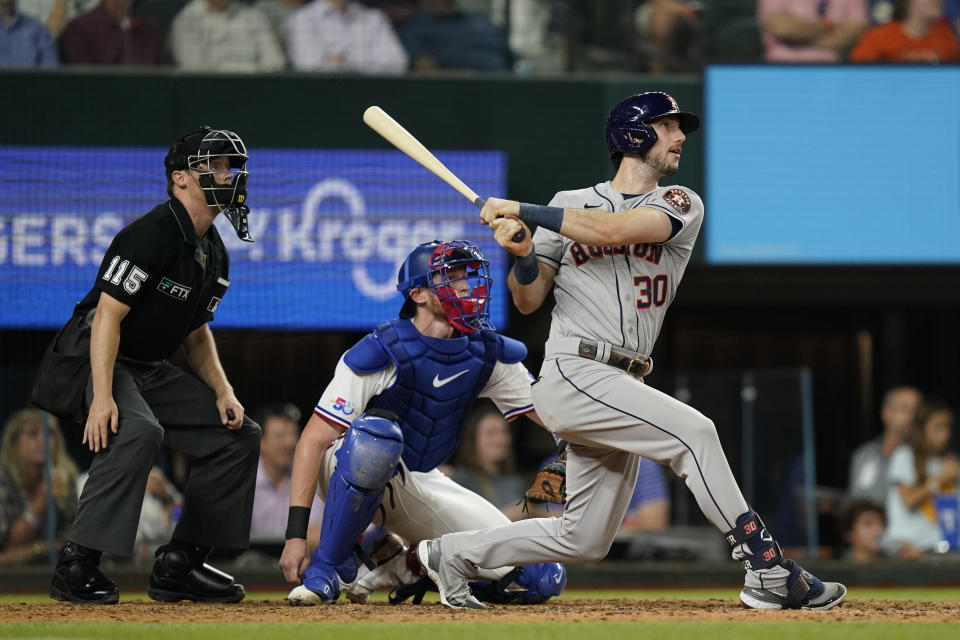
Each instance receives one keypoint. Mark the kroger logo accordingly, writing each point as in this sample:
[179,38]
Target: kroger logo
[312,234]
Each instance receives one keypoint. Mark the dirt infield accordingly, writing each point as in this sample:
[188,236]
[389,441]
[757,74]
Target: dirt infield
[563,611]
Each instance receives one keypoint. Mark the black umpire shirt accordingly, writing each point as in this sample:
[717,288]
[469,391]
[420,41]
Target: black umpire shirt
[172,280]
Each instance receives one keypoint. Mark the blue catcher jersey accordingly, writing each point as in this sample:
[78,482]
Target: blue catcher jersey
[437,380]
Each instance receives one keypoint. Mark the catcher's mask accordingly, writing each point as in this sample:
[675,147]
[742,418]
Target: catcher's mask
[196,151]
[443,266]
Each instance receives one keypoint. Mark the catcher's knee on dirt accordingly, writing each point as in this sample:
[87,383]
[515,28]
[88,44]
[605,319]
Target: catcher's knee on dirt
[366,461]
[529,584]
[542,581]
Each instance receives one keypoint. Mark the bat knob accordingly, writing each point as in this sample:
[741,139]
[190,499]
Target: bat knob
[231,415]
[519,235]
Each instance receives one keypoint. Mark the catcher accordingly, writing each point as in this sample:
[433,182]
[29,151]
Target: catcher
[384,562]
[391,414]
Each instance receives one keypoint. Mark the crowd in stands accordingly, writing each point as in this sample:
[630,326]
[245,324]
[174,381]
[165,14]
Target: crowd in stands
[902,499]
[30,492]
[825,31]
[250,37]
[281,431]
[401,36]
[904,484]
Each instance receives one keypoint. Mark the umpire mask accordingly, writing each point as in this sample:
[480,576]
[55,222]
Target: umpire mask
[197,151]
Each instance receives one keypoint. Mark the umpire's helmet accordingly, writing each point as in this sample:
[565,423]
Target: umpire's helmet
[429,265]
[627,130]
[195,151]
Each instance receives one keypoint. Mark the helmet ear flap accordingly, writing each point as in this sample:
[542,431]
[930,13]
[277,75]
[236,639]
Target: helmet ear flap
[631,115]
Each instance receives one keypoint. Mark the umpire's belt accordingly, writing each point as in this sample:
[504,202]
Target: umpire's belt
[634,363]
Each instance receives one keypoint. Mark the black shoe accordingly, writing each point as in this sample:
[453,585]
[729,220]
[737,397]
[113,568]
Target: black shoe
[77,577]
[181,574]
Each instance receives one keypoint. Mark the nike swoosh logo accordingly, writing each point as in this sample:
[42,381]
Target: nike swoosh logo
[591,206]
[437,382]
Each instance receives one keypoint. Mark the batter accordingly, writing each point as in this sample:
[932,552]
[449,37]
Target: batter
[614,254]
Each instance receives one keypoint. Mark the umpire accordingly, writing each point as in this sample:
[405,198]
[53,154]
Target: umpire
[158,286]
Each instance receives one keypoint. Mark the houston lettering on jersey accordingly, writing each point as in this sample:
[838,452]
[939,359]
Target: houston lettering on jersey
[581,254]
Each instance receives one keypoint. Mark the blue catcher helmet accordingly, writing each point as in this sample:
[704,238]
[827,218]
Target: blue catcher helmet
[435,264]
[627,130]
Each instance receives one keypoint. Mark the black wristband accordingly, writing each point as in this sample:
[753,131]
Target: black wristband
[547,217]
[297,520]
[526,269]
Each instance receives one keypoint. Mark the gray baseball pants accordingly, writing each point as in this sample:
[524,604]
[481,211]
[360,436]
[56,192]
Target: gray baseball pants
[610,419]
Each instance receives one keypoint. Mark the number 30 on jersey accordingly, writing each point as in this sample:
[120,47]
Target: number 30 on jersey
[650,291]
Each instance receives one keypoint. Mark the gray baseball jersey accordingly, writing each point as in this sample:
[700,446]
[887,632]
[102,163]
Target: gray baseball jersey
[618,295]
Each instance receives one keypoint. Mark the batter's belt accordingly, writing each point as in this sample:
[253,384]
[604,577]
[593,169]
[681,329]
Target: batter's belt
[634,363]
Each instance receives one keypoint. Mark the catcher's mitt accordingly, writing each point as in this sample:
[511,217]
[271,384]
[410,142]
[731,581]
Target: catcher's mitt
[550,484]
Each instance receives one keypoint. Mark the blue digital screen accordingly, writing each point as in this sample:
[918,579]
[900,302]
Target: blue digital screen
[842,165]
[331,229]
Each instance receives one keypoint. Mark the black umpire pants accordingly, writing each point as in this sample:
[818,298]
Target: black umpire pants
[160,404]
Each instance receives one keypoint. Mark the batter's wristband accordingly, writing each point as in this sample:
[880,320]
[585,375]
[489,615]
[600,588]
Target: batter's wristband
[527,268]
[547,217]
[297,520]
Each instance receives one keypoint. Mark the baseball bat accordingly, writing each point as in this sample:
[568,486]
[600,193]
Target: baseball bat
[394,133]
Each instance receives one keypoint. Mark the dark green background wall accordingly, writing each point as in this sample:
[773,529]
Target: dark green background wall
[552,130]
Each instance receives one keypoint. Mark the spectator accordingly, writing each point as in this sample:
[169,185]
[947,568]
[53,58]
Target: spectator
[810,30]
[484,462]
[278,14]
[868,465]
[438,36]
[24,41]
[864,522]
[23,488]
[917,33]
[919,471]
[530,36]
[54,14]
[340,35]
[222,35]
[671,29]
[271,501]
[649,508]
[110,34]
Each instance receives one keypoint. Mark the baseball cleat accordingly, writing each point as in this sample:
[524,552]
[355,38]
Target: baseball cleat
[302,597]
[321,580]
[77,577]
[802,590]
[81,583]
[453,587]
[180,574]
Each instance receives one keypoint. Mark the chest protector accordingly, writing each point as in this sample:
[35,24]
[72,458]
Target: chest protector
[437,382]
